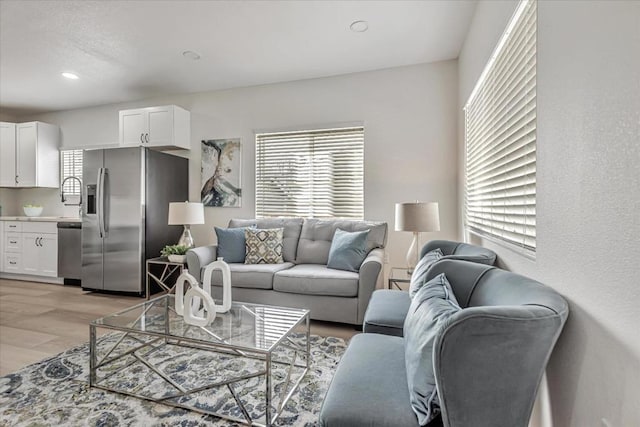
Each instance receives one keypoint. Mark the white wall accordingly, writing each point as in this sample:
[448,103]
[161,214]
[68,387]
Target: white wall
[409,114]
[588,202]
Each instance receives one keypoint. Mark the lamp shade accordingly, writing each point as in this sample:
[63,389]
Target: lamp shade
[185,213]
[417,216]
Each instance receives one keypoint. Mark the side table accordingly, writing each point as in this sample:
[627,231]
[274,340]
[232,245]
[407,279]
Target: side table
[168,271]
[397,276]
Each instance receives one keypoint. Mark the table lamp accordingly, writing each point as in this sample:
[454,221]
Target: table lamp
[186,213]
[416,217]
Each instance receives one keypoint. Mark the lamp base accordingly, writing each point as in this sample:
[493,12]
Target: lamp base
[412,254]
[186,239]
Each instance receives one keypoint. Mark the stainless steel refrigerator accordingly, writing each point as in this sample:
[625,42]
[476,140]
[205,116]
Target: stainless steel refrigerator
[124,215]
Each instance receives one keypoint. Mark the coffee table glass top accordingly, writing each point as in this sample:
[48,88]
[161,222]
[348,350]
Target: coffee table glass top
[245,326]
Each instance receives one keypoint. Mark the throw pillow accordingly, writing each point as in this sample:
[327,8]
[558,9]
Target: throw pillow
[348,250]
[263,246]
[420,272]
[231,244]
[430,312]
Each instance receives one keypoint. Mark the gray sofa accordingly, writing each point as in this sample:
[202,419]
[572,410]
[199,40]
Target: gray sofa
[388,308]
[487,362]
[303,280]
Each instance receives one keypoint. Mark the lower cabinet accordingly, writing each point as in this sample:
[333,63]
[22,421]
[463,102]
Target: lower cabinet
[30,248]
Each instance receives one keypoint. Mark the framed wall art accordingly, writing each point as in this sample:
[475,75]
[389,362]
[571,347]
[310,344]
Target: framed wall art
[221,173]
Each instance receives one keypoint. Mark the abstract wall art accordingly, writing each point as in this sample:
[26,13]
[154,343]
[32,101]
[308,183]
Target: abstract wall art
[221,162]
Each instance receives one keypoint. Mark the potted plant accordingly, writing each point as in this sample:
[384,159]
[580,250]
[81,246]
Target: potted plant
[175,253]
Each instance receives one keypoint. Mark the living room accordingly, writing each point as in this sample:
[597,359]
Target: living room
[407,87]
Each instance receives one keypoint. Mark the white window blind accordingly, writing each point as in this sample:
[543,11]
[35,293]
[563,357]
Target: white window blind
[500,136]
[310,174]
[71,166]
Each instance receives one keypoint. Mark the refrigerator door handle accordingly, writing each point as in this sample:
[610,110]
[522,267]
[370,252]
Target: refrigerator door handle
[105,201]
[100,202]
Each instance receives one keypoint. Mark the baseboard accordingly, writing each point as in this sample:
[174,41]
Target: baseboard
[30,278]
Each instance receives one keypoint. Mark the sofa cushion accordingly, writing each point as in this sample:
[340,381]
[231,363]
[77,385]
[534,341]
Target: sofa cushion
[263,246]
[348,250]
[231,244]
[313,279]
[431,310]
[258,276]
[420,272]
[316,237]
[369,387]
[290,237]
[386,312]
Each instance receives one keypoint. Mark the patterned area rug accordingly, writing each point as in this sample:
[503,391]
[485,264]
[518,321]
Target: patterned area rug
[55,391]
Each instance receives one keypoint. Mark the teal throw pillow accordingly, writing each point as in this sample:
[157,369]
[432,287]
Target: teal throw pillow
[431,311]
[231,244]
[420,272]
[348,250]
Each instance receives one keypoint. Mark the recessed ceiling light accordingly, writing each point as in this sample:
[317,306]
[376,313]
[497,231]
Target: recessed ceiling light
[359,26]
[189,54]
[70,76]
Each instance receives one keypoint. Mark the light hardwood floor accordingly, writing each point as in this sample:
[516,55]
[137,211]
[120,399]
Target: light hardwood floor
[38,320]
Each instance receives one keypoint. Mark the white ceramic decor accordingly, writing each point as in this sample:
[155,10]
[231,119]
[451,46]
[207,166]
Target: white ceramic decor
[192,304]
[219,264]
[32,210]
[188,306]
[179,290]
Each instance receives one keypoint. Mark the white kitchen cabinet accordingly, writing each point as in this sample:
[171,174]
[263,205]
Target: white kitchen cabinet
[48,255]
[30,253]
[7,154]
[29,155]
[30,248]
[164,127]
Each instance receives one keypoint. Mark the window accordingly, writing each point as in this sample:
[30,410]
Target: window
[500,138]
[71,165]
[310,174]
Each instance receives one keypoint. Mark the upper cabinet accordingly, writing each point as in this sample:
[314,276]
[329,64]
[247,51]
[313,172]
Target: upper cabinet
[29,155]
[158,127]
[7,154]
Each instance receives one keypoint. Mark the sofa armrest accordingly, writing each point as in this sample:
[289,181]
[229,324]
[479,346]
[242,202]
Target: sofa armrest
[199,257]
[488,356]
[369,278]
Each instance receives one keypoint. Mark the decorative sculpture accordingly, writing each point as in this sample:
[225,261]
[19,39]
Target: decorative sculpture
[192,302]
[188,305]
[219,264]
[179,290]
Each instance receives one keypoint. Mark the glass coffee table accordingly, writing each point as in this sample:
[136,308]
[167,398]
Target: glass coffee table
[244,367]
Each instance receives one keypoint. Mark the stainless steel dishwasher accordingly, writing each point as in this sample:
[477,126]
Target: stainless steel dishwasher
[70,252]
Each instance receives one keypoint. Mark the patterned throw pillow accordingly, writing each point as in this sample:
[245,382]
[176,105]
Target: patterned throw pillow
[263,246]
[420,272]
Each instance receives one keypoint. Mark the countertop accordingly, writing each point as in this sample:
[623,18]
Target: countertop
[40,218]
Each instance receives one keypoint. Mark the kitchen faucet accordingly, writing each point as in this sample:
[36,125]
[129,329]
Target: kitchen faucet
[64,199]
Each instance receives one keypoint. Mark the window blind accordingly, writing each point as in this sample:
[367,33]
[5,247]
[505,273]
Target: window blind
[310,174]
[500,136]
[71,166]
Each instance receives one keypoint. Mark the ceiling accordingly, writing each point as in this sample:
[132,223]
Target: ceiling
[130,50]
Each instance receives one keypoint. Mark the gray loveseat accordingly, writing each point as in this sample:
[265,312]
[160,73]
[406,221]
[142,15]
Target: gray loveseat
[303,280]
[487,362]
[388,308]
